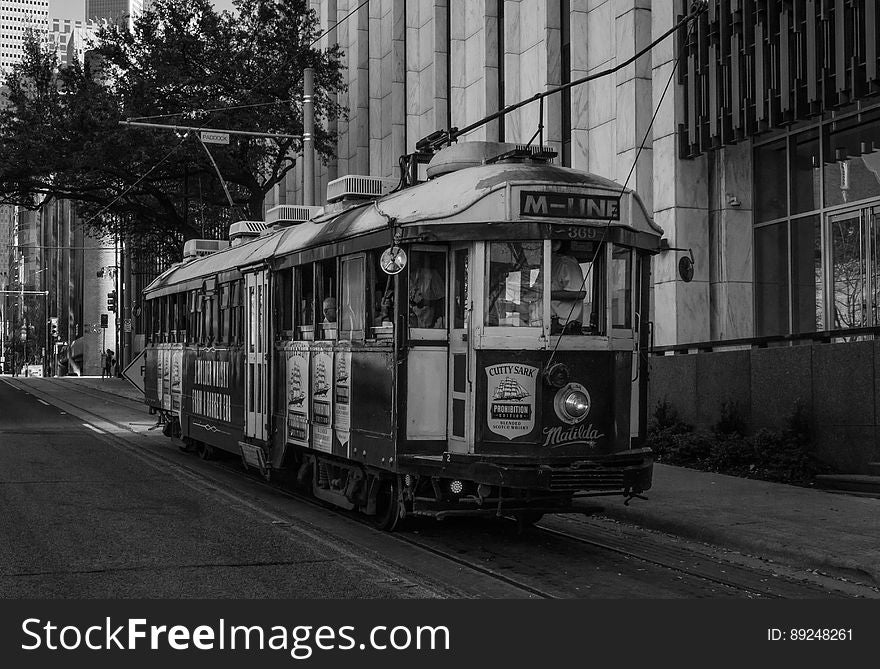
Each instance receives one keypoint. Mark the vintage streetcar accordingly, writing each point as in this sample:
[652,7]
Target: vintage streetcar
[467,345]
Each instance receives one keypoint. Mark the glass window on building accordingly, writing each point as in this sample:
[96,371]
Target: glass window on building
[771,187]
[807,294]
[771,279]
[806,172]
[848,263]
[852,158]
[819,267]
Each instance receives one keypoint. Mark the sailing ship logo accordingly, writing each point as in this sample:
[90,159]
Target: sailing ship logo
[510,389]
[342,369]
[321,385]
[295,394]
[510,402]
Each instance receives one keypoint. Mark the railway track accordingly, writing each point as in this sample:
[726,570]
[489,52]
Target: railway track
[446,543]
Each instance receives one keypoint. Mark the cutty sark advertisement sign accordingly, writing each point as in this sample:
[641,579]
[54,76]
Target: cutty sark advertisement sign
[511,400]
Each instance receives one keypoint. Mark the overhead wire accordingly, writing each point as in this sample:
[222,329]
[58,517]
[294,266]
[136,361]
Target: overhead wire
[599,245]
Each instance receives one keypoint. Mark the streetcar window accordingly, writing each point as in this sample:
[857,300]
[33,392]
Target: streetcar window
[181,317]
[237,311]
[325,279]
[351,312]
[460,290]
[209,313]
[304,287]
[576,287]
[161,319]
[427,289]
[515,284]
[147,321]
[380,298]
[284,302]
[621,287]
[195,325]
[223,320]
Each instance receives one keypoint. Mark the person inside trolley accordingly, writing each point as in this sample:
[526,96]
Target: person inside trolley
[567,292]
[328,307]
[427,293]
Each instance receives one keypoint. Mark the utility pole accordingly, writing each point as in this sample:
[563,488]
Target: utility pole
[3,336]
[308,136]
[119,298]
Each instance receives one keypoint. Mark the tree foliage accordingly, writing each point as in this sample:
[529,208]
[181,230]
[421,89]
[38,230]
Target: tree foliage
[184,64]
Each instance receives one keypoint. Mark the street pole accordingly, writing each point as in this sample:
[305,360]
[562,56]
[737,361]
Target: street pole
[3,336]
[127,301]
[116,287]
[308,137]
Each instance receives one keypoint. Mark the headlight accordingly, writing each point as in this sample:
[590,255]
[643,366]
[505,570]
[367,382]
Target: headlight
[576,404]
[572,403]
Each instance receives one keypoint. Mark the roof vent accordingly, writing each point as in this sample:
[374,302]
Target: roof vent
[355,187]
[242,230]
[196,248]
[473,154]
[284,215]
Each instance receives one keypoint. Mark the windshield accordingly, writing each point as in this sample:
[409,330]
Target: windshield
[515,286]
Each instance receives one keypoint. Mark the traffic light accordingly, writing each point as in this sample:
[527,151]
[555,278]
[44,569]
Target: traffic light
[111,301]
[104,320]
[53,325]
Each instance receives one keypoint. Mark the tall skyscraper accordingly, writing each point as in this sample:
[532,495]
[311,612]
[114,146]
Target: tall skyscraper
[16,16]
[116,11]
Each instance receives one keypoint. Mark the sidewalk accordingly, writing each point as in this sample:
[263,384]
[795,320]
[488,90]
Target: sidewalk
[831,532]
[112,385]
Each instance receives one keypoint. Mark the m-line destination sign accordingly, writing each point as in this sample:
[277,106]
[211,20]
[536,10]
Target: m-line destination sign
[569,205]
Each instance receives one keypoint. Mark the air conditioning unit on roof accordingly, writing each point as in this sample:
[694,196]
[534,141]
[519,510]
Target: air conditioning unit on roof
[357,187]
[196,248]
[283,215]
[242,230]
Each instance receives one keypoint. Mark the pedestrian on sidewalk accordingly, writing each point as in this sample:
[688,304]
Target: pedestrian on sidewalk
[107,362]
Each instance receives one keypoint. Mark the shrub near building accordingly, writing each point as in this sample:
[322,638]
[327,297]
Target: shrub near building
[782,456]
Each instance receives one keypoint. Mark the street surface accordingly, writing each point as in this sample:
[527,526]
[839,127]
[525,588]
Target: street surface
[86,516]
[97,503]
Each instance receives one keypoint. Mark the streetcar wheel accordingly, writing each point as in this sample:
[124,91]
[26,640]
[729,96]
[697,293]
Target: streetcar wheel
[387,507]
[528,518]
[205,451]
[188,445]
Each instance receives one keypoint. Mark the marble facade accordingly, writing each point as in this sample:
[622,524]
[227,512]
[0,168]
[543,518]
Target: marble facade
[415,66]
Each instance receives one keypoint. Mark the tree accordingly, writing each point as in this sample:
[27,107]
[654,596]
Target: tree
[182,64]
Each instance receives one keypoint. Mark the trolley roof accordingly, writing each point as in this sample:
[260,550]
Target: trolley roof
[482,202]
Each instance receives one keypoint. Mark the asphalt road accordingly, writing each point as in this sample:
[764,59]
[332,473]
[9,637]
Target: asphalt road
[85,515]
